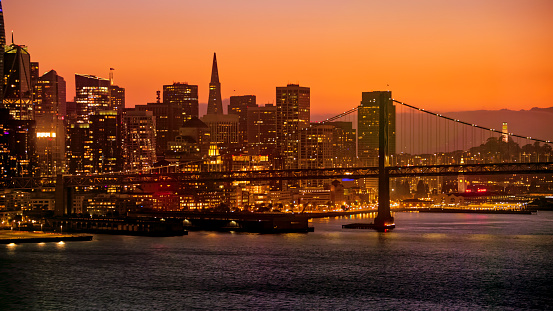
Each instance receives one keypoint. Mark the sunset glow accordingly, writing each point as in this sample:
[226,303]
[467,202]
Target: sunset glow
[440,55]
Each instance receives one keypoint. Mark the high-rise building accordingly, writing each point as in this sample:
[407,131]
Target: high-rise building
[140,139]
[215,103]
[105,135]
[344,144]
[316,146]
[78,150]
[168,122]
[50,110]
[2,45]
[239,106]
[293,116]
[50,95]
[367,126]
[117,98]
[262,130]
[92,95]
[17,146]
[17,86]
[185,97]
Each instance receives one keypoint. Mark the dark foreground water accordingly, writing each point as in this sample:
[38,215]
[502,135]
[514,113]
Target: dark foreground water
[429,262]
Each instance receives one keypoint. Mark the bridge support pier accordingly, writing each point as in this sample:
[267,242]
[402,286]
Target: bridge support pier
[384,220]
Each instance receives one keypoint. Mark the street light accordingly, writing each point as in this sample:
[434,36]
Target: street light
[61,229]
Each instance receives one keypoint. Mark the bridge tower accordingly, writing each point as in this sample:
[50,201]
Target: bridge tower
[384,219]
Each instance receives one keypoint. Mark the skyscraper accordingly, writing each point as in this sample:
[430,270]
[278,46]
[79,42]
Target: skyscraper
[18,87]
[184,97]
[168,121]
[239,105]
[105,135]
[367,126]
[2,44]
[117,98]
[92,95]
[262,127]
[316,146]
[50,109]
[293,116]
[215,103]
[77,150]
[140,139]
[344,144]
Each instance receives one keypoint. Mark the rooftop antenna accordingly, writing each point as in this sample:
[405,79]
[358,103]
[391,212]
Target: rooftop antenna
[12,36]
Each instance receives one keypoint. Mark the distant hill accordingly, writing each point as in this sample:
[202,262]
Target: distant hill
[536,122]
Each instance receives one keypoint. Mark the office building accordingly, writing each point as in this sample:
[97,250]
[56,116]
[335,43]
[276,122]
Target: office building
[78,149]
[2,45]
[316,146]
[18,87]
[183,96]
[344,144]
[168,122]
[92,95]
[293,116]
[368,126]
[262,130]
[105,137]
[239,106]
[50,110]
[17,146]
[117,98]
[215,103]
[139,139]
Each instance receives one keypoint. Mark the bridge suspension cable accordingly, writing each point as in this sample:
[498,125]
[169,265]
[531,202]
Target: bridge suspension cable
[470,124]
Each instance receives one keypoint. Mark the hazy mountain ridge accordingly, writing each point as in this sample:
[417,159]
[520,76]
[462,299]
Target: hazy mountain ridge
[535,122]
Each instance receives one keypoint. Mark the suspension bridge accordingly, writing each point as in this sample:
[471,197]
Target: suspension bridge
[424,143]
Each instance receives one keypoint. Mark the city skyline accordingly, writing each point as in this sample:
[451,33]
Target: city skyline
[494,54]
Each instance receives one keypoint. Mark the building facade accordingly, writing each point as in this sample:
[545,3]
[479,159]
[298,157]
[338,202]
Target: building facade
[293,116]
[17,86]
[139,139]
[262,130]
[183,96]
[105,137]
[92,94]
[239,106]
[50,111]
[368,126]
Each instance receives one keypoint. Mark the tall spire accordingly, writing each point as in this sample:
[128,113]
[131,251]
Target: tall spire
[2,31]
[214,104]
[214,70]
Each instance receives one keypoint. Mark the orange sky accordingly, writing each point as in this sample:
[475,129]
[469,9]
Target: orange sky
[439,55]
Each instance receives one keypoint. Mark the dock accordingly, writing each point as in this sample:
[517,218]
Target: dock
[237,221]
[18,237]
[122,226]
